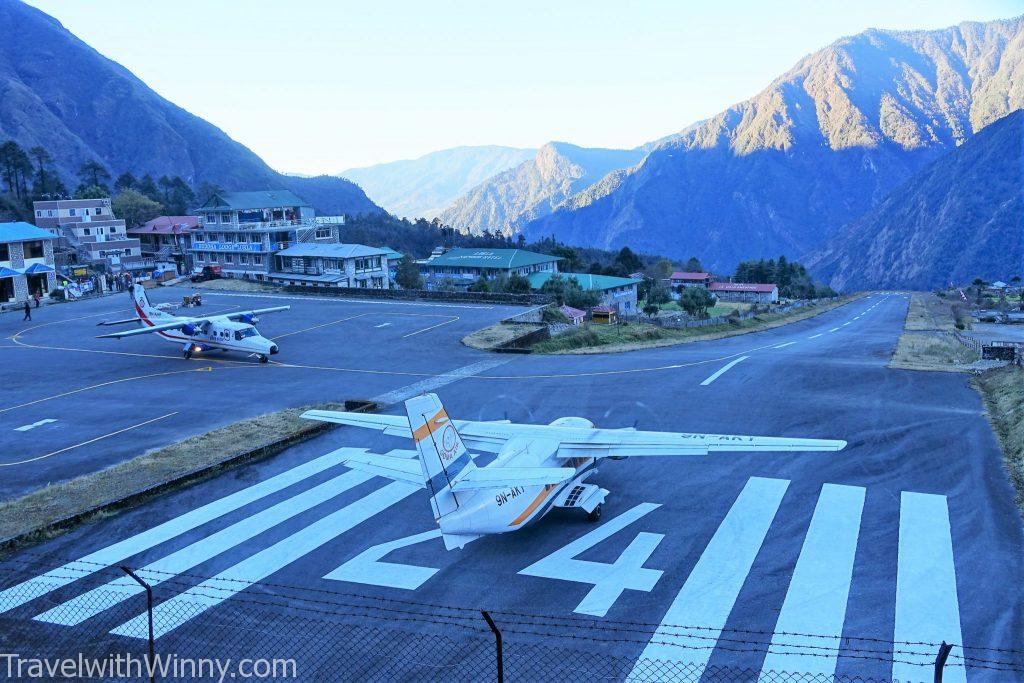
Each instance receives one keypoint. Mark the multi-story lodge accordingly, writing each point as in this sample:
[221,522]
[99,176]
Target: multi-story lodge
[242,231]
[26,262]
[333,265]
[168,241]
[88,233]
[462,267]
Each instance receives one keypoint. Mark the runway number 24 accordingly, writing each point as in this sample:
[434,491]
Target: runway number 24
[609,580]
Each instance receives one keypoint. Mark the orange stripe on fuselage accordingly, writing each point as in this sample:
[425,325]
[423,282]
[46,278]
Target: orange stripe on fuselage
[534,505]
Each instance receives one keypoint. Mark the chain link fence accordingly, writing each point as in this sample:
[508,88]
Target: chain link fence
[99,614]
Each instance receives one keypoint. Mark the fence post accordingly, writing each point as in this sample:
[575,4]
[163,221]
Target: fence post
[940,660]
[151,657]
[499,658]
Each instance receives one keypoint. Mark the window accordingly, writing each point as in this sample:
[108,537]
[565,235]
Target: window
[49,213]
[228,258]
[34,249]
[225,218]
[213,258]
[211,218]
[323,233]
[243,259]
[87,231]
[39,213]
[99,231]
[71,212]
[127,252]
[257,260]
[5,252]
[199,257]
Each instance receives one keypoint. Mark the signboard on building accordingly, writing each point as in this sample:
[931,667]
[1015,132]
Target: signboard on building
[227,246]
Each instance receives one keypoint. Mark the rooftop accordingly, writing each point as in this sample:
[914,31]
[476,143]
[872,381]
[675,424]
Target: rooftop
[23,232]
[741,287]
[490,258]
[332,250]
[166,225]
[588,282]
[679,275]
[262,199]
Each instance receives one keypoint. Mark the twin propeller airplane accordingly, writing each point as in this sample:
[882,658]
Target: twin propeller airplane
[537,468]
[228,332]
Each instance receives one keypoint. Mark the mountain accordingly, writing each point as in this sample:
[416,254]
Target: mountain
[535,187]
[820,146]
[423,187]
[60,94]
[959,218]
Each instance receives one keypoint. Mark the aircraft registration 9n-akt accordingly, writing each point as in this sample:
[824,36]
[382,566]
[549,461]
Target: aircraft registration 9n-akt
[228,332]
[537,468]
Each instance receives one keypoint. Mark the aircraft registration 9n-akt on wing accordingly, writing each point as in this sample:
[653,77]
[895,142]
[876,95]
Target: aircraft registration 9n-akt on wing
[228,332]
[537,468]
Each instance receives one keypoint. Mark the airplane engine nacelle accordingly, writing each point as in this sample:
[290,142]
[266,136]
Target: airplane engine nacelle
[189,330]
[249,319]
[573,422]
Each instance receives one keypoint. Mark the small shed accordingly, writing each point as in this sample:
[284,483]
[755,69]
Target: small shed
[604,315]
[575,315]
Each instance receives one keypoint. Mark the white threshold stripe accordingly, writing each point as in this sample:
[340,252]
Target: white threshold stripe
[815,336]
[782,346]
[724,369]
[927,608]
[101,598]
[185,606]
[40,423]
[815,603]
[710,592]
[101,559]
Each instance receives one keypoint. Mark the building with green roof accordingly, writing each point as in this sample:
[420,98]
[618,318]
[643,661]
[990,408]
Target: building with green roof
[462,267]
[617,292]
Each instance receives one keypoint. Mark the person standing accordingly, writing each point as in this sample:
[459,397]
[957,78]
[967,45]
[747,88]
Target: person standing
[28,312]
[37,296]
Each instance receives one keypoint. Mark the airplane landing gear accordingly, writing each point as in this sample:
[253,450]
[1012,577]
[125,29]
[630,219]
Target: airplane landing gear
[595,514]
[187,353]
[264,359]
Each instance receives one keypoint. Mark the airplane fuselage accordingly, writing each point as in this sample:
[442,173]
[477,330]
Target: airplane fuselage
[217,333]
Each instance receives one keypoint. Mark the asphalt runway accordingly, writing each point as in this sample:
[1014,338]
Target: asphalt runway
[856,563]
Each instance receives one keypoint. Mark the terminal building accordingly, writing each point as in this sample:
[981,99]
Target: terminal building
[26,262]
[89,234]
[242,231]
[745,291]
[333,265]
[462,267]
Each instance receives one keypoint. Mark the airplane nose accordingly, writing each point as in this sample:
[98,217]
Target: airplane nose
[273,349]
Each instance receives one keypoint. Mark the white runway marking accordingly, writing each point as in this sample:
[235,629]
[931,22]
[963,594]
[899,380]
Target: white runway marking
[118,552]
[927,608]
[834,329]
[101,598]
[382,325]
[721,371]
[433,383]
[815,336]
[846,323]
[25,428]
[427,329]
[708,596]
[367,567]
[782,346]
[820,587]
[188,605]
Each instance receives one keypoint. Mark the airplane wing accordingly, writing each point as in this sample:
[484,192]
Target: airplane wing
[254,312]
[617,443]
[119,322]
[392,425]
[499,477]
[176,325]
[401,467]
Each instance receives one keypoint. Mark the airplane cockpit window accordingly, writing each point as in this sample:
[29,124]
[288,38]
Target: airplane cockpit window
[247,332]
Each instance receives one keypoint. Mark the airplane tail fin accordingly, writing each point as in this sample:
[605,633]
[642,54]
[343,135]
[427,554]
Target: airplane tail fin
[143,308]
[443,455]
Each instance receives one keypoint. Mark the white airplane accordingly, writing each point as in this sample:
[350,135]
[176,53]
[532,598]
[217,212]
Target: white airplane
[228,332]
[538,467]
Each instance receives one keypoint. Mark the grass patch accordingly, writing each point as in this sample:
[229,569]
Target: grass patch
[930,351]
[1002,390]
[58,507]
[499,334]
[616,338]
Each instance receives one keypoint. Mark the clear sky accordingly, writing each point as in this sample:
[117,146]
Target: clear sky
[319,86]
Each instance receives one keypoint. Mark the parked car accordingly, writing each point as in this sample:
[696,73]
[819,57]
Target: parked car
[207,273]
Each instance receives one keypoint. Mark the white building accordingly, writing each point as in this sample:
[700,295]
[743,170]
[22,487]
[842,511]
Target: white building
[332,265]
